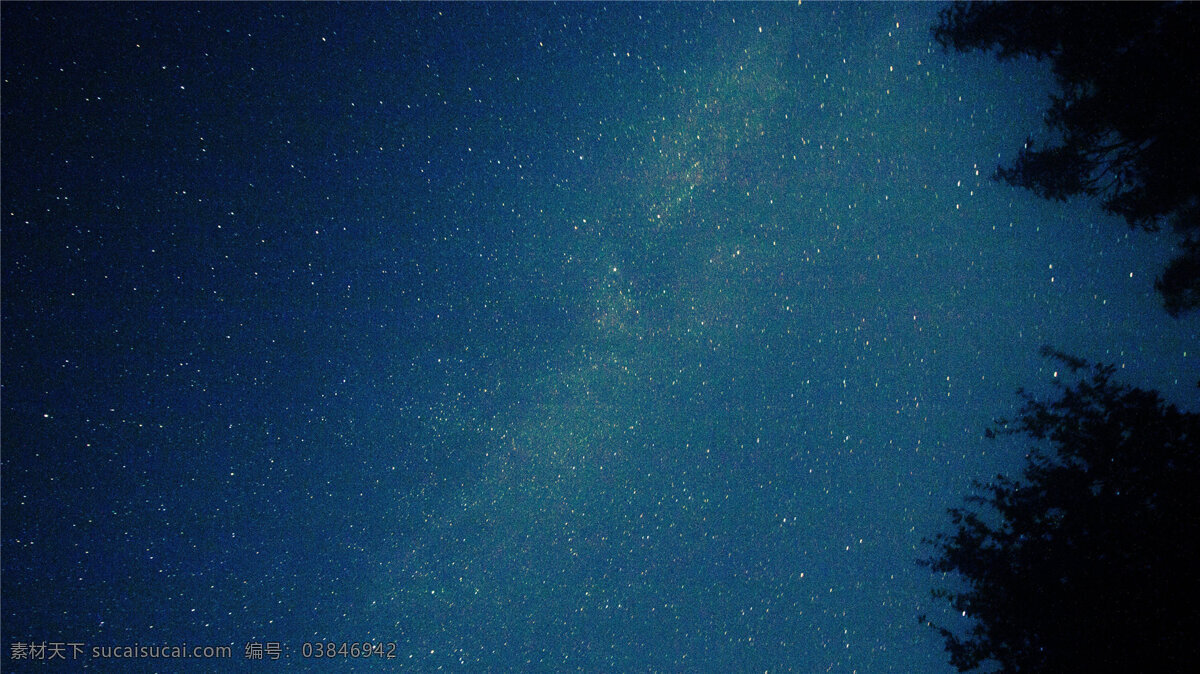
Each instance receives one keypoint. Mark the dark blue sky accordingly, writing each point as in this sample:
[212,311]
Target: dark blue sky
[524,336]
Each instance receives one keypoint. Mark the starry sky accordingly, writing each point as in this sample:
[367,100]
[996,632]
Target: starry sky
[554,337]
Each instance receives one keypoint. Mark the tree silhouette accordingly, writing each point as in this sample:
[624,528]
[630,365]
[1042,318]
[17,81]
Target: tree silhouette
[1123,123]
[1088,563]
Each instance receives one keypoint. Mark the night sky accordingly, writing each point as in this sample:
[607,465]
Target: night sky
[543,337]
